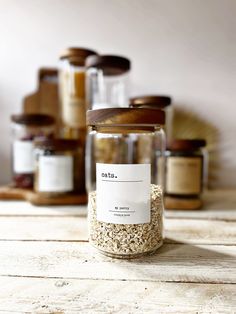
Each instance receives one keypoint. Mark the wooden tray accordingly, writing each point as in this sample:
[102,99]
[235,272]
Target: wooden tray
[11,193]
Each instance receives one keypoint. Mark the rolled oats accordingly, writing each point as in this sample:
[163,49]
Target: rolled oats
[127,240]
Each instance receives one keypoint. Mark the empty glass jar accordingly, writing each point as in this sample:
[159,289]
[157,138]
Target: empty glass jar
[124,178]
[107,83]
[158,102]
[26,128]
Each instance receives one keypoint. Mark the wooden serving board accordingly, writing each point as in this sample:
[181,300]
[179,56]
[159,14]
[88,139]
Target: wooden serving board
[11,193]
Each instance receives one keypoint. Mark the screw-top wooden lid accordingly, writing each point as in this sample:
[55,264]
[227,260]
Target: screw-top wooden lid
[150,101]
[57,144]
[110,64]
[77,56]
[124,116]
[186,144]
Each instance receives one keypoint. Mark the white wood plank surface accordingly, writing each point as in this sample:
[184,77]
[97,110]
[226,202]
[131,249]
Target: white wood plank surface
[173,262]
[197,231]
[219,205]
[22,208]
[75,229]
[40,228]
[47,266]
[40,295]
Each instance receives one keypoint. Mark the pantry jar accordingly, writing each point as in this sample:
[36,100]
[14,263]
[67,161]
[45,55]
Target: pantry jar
[58,167]
[26,128]
[107,81]
[158,102]
[125,207]
[72,92]
[185,167]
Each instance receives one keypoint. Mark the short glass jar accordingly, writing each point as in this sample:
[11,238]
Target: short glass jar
[125,209]
[107,81]
[185,169]
[26,128]
[158,102]
[72,92]
[57,169]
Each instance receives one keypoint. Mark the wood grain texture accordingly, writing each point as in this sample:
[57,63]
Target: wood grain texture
[218,205]
[52,269]
[39,228]
[172,262]
[200,231]
[41,295]
[43,228]
[21,208]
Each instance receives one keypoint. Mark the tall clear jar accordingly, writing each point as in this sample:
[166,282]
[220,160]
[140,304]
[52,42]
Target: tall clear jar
[107,81]
[159,102]
[72,92]
[125,210]
[25,129]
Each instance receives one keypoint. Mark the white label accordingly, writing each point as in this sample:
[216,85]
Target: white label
[184,175]
[123,193]
[23,157]
[55,174]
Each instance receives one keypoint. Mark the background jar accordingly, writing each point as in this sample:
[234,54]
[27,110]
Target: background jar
[72,92]
[58,167]
[185,167]
[125,195]
[158,102]
[26,128]
[107,81]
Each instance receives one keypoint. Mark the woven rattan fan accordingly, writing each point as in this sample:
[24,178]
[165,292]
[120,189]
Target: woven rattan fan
[187,124]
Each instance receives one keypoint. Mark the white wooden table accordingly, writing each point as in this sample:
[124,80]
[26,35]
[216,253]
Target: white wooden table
[47,265]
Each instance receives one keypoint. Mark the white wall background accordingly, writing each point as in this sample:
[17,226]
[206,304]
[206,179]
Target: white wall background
[185,48]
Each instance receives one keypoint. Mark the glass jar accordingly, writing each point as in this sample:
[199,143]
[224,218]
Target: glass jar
[185,169]
[26,128]
[158,102]
[58,164]
[125,207]
[107,81]
[72,92]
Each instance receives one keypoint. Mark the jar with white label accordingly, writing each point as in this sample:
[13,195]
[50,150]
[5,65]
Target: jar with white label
[185,171]
[159,102]
[26,128]
[72,92]
[107,81]
[58,164]
[125,207]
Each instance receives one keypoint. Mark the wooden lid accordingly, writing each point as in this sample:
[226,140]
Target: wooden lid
[33,119]
[124,116]
[186,144]
[56,144]
[153,101]
[77,56]
[110,64]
